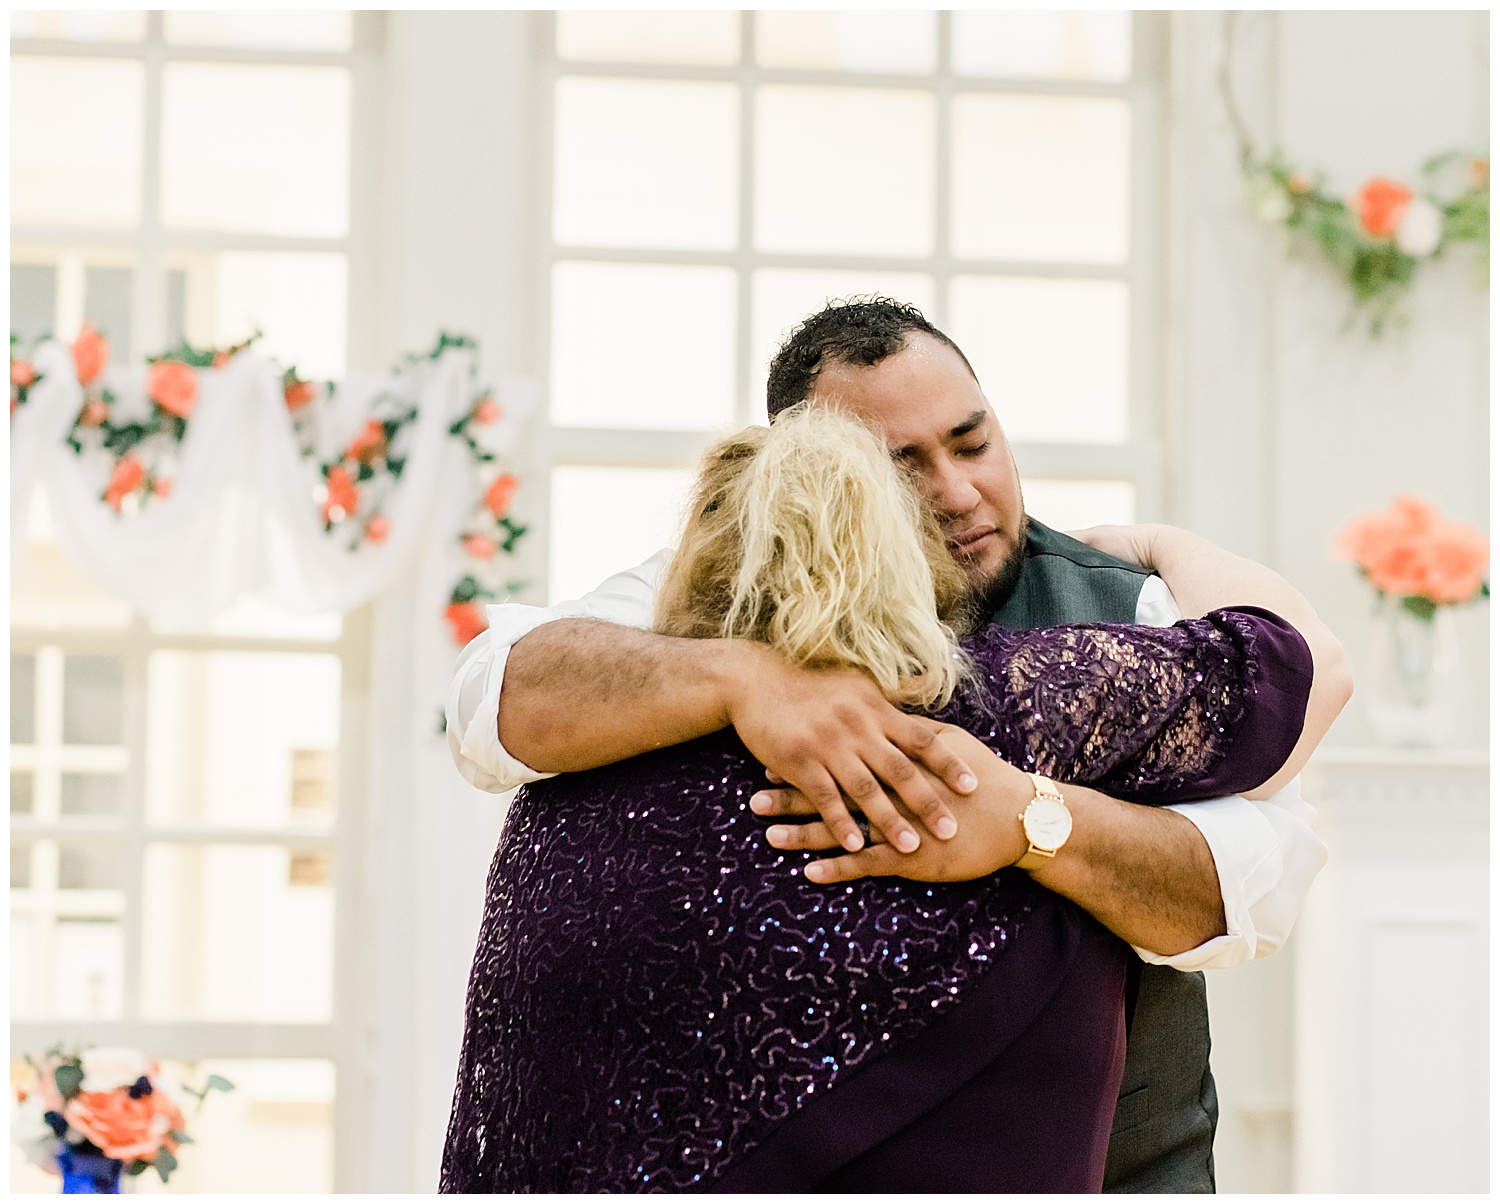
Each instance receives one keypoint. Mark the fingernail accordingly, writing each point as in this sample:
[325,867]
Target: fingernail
[760,802]
[967,782]
[946,827]
[907,841]
[816,871]
[777,833]
[853,841]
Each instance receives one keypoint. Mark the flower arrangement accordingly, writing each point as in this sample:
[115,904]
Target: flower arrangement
[1378,235]
[95,1115]
[1412,554]
[23,376]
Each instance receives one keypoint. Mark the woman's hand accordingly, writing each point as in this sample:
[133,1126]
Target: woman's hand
[989,830]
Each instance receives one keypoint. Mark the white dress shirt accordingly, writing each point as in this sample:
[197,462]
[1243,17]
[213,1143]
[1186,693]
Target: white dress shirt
[1266,853]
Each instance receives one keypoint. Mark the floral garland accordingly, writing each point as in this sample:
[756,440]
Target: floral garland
[355,484]
[1377,236]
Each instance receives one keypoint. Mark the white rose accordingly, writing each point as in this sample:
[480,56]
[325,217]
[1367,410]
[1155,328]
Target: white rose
[34,1135]
[1268,201]
[110,1067]
[1421,228]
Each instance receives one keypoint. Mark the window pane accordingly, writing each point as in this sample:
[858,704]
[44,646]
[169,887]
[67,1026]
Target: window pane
[608,519]
[643,163]
[844,170]
[91,793]
[785,296]
[316,30]
[33,300]
[225,729]
[847,41]
[229,935]
[272,1133]
[1042,45]
[1050,354]
[299,302]
[75,150]
[88,969]
[1041,177]
[88,867]
[22,697]
[22,793]
[677,37]
[20,858]
[254,149]
[1070,505]
[98,25]
[106,306]
[642,346]
[93,700]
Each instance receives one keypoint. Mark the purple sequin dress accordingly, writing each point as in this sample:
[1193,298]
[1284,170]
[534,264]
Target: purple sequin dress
[662,1001]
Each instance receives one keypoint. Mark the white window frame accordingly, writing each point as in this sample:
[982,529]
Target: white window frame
[343,1039]
[1138,460]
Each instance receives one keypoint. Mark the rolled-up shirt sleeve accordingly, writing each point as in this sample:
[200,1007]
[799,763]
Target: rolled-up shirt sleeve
[473,706]
[1265,853]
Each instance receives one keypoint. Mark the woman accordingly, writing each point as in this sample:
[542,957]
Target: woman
[659,1001]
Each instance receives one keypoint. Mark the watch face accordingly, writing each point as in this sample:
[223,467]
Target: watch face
[1047,823]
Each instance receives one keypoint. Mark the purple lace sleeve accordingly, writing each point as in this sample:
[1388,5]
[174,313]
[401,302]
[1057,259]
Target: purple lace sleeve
[1205,708]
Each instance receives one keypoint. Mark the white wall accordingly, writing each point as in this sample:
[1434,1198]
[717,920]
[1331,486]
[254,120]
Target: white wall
[1284,425]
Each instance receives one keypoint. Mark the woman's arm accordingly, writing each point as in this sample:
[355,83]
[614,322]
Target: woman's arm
[1204,577]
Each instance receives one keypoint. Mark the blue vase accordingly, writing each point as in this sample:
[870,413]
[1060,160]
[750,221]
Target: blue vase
[89,1174]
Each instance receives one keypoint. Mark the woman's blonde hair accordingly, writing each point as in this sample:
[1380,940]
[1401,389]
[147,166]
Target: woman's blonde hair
[807,537]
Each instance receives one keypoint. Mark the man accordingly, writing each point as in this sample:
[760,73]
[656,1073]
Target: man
[1207,885]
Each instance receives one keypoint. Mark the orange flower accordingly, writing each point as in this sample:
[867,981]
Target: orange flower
[487,410]
[467,621]
[379,528]
[498,497]
[22,374]
[481,547]
[1380,205]
[122,1127]
[221,359]
[343,497]
[128,476]
[173,386]
[94,412]
[90,354]
[161,486]
[298,393]
[1479,172]
[1298,182]
[369,444]
[1411,549]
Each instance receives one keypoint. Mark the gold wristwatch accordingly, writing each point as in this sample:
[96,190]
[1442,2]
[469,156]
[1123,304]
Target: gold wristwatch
[1047,823]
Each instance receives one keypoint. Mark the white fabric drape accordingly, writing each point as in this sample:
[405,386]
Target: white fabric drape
[242,518]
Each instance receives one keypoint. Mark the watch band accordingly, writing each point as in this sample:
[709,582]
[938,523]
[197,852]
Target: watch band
[1034,857]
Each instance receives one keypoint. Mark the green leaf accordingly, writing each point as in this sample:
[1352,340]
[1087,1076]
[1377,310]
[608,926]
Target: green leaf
[139,1166]
[1419,607]
[68,1077]
[179,1137]
[218,1083]
[166,1163]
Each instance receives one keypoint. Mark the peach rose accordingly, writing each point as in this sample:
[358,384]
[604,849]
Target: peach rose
[487,410]
[94,413]
[467,621]
[90,354]
[173,386]
[298,393]
[379,528]
[221,359]
[1299,183]
[1380,206]
[481,547]
[162,487]
[1411,548]
[498,497]
[343,496]
[128,476]
[122,1127]
[369,444]
[22,374]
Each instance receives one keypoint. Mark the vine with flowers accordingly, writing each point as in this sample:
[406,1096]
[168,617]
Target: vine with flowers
[353,486]
[1378,236]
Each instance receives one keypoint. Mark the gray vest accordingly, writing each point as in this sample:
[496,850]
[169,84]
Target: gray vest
[1163,1135]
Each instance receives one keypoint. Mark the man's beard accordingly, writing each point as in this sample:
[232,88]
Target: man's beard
[991,595]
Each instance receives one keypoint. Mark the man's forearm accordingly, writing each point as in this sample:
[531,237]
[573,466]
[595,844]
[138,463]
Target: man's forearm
[580,693]
[1146,874]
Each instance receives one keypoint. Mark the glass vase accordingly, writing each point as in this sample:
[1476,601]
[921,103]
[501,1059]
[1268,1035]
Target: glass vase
[1409,689]
[89,1174]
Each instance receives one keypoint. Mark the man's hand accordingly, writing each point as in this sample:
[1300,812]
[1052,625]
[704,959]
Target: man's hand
[1134,544]
[831,734]
[991,837]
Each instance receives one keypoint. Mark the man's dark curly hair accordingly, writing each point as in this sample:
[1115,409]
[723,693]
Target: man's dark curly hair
[854,330]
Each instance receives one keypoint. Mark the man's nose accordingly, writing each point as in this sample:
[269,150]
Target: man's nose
[949,491]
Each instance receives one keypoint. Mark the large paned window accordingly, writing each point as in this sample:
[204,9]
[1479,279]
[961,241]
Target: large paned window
[716,176]
[184,804]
